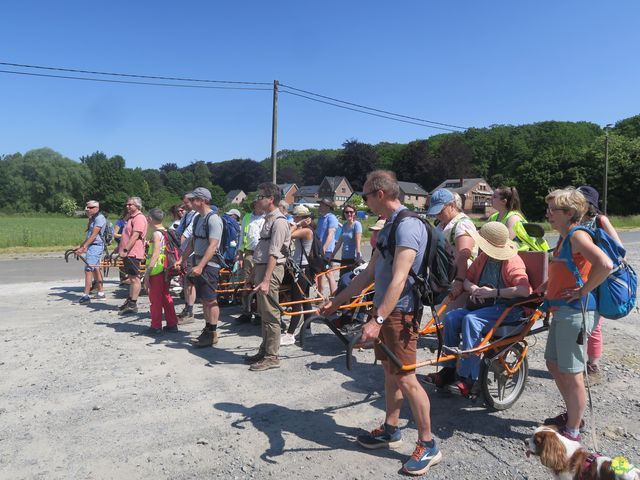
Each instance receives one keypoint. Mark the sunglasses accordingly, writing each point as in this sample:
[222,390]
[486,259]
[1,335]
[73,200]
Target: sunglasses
[89,208]
[349,212]
[552,210]
[365,195]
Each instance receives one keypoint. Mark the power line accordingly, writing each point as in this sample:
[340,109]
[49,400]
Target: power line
[372,109]
[152,77]
[369,113]
[134,82]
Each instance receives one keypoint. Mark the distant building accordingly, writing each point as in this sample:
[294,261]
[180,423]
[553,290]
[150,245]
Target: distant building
[476,193]
[413,194]
[288,192]
[337,189]
[235,196]
[307,194]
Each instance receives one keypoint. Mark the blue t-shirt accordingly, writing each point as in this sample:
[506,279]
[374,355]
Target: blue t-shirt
[411,233]
[120,224]
[349,239]
[327,221]
[97,221]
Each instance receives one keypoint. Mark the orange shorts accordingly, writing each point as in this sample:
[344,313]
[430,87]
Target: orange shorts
[398,335]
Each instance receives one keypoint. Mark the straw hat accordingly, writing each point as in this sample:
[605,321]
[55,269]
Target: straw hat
[379,225]
[301,210]
[493,239]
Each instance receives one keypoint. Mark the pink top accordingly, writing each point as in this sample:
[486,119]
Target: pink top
[514,272]
[137,223]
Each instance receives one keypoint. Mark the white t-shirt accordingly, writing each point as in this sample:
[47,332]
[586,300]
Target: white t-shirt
[463,225]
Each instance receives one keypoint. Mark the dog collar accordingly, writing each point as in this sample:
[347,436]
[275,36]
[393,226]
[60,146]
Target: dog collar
[587,465]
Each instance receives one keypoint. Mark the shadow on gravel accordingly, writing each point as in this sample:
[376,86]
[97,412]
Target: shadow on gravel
[537,373]
[315,426]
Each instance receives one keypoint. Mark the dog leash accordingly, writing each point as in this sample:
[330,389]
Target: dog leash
[582,341]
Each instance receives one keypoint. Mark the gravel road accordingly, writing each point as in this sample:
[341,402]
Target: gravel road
[85,395]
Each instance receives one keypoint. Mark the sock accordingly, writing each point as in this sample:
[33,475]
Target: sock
[132,300]
[211,328]
[574,432]
[389,428]
[430,444]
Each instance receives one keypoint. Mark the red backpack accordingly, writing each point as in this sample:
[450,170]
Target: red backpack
[172,254]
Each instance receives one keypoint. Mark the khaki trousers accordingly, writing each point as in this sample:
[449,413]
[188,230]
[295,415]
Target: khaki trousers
[269,313]
[247,266]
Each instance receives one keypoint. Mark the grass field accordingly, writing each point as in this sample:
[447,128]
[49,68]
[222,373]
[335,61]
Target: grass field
[52,232]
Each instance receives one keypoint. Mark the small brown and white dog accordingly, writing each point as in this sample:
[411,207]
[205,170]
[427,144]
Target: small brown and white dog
[568,460]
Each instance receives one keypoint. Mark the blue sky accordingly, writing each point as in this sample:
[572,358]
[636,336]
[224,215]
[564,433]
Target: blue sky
[466,63]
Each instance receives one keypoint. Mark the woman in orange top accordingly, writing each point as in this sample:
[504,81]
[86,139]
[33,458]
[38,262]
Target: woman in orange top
[564,355]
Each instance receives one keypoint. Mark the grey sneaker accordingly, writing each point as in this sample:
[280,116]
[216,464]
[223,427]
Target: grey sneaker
[186,318]
[84,299]
[131,307]
[267,363]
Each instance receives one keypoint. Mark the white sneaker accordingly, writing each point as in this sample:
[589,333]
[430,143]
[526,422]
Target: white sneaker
[287,339]
[101,296]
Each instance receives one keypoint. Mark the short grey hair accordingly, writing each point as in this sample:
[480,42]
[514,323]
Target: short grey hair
[137,201]
[386,181]
[156,215]
[284,204]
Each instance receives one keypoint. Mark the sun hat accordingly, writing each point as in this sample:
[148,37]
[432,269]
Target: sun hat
[200,192]
[590,194]
[493,239]
[301,210]
[439,199]
[235,212]
[379,225]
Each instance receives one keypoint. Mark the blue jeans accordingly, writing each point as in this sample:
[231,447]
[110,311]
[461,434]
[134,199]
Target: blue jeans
[473,325]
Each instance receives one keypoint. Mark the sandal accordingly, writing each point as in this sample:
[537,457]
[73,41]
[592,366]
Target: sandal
[460,388]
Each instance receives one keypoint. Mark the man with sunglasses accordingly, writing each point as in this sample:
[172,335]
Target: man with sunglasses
[392,320]
[93,246]
[132,251]
[269,256]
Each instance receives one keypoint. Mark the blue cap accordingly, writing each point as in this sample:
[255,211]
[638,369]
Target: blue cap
[439,199]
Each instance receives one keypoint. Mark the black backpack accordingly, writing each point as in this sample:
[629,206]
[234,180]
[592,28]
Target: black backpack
[317,261]
[218,257]
[432,282]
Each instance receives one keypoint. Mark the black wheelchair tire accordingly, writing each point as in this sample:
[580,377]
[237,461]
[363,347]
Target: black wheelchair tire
[494,380]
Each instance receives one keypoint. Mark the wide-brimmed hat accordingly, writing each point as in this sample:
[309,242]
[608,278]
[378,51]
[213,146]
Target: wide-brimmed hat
[301,210]
[379,225]
[493,239]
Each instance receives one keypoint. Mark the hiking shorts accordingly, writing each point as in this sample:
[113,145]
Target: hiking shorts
[93,256]
[398,334]
[562,346]
[131,266]
[204,290]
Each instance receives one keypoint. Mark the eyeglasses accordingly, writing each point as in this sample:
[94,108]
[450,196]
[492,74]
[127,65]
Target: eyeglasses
[365,195]
[89,208]
[551,210]
[260,197]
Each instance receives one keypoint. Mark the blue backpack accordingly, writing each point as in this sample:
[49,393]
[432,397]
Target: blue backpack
[230,238]
[616,296]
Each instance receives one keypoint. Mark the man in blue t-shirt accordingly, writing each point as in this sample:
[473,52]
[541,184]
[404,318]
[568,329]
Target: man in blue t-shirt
[93,246]
[392,321]
[326,230]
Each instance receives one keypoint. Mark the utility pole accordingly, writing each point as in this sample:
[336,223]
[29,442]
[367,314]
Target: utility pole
[274,132]
[606,167]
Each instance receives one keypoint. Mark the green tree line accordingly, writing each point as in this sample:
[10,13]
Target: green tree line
[534,158]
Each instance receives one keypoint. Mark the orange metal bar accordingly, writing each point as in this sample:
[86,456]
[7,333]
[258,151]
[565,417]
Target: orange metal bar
[431,327]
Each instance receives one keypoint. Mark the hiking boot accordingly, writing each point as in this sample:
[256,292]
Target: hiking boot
[267,363]
[444,377]
[84,299]
[382,437]
[251,359]
[131,307]
[560,421]
[170,329]
[153,332]
[186,318]
[207,338]
[287,339]
[124,305]
[422,458]
[244,318]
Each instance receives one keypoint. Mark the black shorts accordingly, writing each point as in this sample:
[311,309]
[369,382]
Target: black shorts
[206,289]
[131,266]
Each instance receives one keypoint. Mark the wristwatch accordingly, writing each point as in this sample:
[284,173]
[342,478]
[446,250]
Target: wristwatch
[379,320]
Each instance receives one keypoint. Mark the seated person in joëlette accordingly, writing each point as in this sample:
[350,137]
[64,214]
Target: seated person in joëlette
[493,279]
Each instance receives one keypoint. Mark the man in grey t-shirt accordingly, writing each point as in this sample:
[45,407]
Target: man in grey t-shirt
[204,243]
[392,322]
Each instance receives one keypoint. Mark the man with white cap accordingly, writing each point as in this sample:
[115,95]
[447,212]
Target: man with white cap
[495,277]
[93,245]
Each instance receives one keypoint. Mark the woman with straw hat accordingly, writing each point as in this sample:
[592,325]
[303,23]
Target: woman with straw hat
[496,276]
